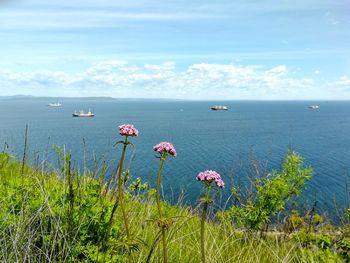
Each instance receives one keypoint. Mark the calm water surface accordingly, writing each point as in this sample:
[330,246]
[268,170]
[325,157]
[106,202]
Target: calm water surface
[229,142]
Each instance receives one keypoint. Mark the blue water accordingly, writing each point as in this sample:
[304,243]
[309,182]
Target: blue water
[230,142]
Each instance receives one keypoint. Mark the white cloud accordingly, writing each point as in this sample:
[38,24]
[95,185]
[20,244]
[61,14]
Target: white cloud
[342,83]
[121,79]
[56,19]
[75,14]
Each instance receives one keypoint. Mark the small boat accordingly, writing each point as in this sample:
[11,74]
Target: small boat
[219,107]
[314,107]
[54,104]
[81,113]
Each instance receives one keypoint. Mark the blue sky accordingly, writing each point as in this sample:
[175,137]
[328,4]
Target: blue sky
[240,49]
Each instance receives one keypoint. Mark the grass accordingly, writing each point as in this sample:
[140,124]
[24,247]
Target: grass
[62,216]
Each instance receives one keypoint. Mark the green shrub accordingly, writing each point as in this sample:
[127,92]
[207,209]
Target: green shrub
[304,237]
[324,242]
[293,222]
[317,220]
[344,249]
[272,193]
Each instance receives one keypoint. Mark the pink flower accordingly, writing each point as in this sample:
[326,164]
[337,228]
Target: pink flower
[128,130]
[165,147]
[210,176]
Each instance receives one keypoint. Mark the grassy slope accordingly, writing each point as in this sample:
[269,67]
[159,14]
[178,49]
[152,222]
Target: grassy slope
[41,220]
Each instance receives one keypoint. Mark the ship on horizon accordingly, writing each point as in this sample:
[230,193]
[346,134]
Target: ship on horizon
[219,107]
[81,113]
[57,104]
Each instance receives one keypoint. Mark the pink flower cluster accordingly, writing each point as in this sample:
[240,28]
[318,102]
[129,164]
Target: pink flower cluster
[165,147]
[210,176]
[128,130]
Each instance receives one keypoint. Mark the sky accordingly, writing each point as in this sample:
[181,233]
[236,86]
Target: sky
[193,49]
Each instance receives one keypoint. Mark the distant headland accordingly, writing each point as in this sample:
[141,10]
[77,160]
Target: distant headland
[21,96]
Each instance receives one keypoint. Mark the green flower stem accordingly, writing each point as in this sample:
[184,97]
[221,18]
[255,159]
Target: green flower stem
[120,189]
[206,202]
[162,225]
[120,199]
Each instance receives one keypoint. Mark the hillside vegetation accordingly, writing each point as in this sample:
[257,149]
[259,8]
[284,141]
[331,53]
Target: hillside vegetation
[64,216]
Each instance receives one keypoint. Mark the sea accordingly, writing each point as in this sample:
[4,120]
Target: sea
[245,142]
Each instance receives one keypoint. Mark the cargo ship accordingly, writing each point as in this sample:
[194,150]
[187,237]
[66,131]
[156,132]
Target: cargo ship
[219,108]
[54,104]
[81,113]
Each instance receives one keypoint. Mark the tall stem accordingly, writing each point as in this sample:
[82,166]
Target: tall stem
[24,153]
[204,216]
[120,189]
[159,177]
[22,172]
[203,219]
[119,199]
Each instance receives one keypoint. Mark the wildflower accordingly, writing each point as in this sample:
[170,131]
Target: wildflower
[124,130]
[165,147]
[209,176]
[128,130]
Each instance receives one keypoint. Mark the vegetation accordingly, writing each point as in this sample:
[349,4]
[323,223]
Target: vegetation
[271,194]
[64,216]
